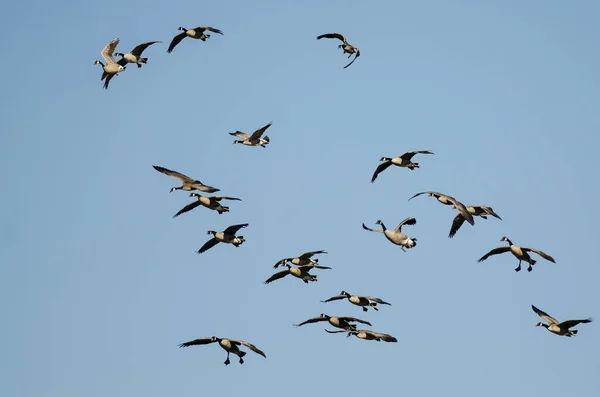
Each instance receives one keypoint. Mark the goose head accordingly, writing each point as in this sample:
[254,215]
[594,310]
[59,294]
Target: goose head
[345,294]
[182,28]
[211,232]
[193,194]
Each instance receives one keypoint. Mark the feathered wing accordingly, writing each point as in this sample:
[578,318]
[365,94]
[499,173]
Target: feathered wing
[377,300]
[462,209]
[233,229]
[357,54]
[495,251]
[312,266]
[490,211]
[380,168]
[310,254]
[544,315]
[187,208]
[208,245]
[277,276]
[418,194]
[354,319]
[219,198]
[408,221]
[249,346]
[540,253]
[383,337]
[175,174]
[109,49]
[200,341]
[332,36]
[312,320]
[258,133]
[335,298]
[409,155]
[176,40]
[109,77]
[122,61]
[456,224]
[203,28]
[369,229]
[571,323]
[137,51]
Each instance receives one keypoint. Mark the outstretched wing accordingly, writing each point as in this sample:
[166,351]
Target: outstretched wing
[571,323]
[462,209]
[249,346]
[383,337]
[187,208]
[544,315]
[203,28]
[257,134]
[311,320]
[335,332]
[277,276]
[456,224]
[540,253]
[309,267]
[377,300]
[137,51]
[335,298]
[490,211]
[200,341]
[208,245]
[219,198]
[418,194]
[409,155]
[354,319]
[355,56]
[332,36]
[109,49]
[408,221]
[495,251]
[175,174]
[380,168]
[176,40]
[371,230]
[307,255]
[233,229]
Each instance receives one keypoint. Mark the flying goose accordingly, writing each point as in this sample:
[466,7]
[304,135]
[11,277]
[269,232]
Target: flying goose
[358,300]
[134,56]
[368,335]
[449,200]
[400,161]
[338,322]
[348,49]
[226,236]
[304,259]
[196,33]
[521,253]
[112,68]
[559,328]
[188,183]
[254,139]
[300,272]
[210,202]
[229,345]
[396,236]
[477,210]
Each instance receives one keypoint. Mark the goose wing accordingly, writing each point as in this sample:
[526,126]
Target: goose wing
[380,168]
[308,267]
[544,315]
[371,230]
[462,209]
[312,320]
[456,224]
[137,51]
[219,198]
[333,36]
[383,337]
[203,28]
[109,49]
[436,194]
[175,174]
[540,253]
[495,251]
[377,300]
[354,59]
[249,346]
[490,211]
[109,77]
[200,341]
[408,221]
[233,229]
[176,40]
[335,332]
[257,134]
[335,298]
[187,208]
[208,245]
[307,255]
[277,276]
[571,323]
[409,155]
[354,319]
[122,61]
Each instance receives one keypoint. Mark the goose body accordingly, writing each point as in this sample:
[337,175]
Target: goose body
[338,322]
[135,55]
[231,346]
[404,160]
[226,236]
[111,68]
[449,200]
[521,253]
[254,139]
[301,272]
[198,33]
[558,328]
[210,202]
[304,259]
[359,300]
[345,46]
[368,335]
[396,236]
[188,184]
[480,210]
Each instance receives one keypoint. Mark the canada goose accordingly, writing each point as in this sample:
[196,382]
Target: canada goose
[226,236]
[254,139]
[521,253]
[300,272]
[449,200]
[188,183]
[134,56]
[112,68]
[196,33]
[559,328]
[396,236]
[338,322]
[348,49]
[229,345]
[304,259]
[368,335]
[477,210]
[400,161]
[210,202]
[359,300]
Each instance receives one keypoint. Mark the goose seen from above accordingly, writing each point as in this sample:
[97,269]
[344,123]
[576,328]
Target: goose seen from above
[254,139]
[396,236]
[231,346]
[111,68]
[449,200]
[521,253]
[347,47]
[301,272]
[135,55]
[304,259]
[226,236]
[210,202]
[359,300]
[188,183]
[338,322]
[558,328]
[195,33]
[478,210]
[367,335]
[404,160]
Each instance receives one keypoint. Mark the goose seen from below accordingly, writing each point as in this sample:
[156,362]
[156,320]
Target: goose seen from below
[367,335]
[559,328]
[188,183]
[348,48]
[112,68]
[195,33]
[254,139]
[226,236]
[521,253]
[301,272]
[477,210]
[400,161]
[304,259]
[231,346]
[338,322]
[359,300]
[135,55]
[396,236]
[449,200]
[210,202]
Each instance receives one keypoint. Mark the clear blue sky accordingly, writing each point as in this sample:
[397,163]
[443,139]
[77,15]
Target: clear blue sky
[99,284]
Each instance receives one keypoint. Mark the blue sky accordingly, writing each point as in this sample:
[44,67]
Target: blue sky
[99,284]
